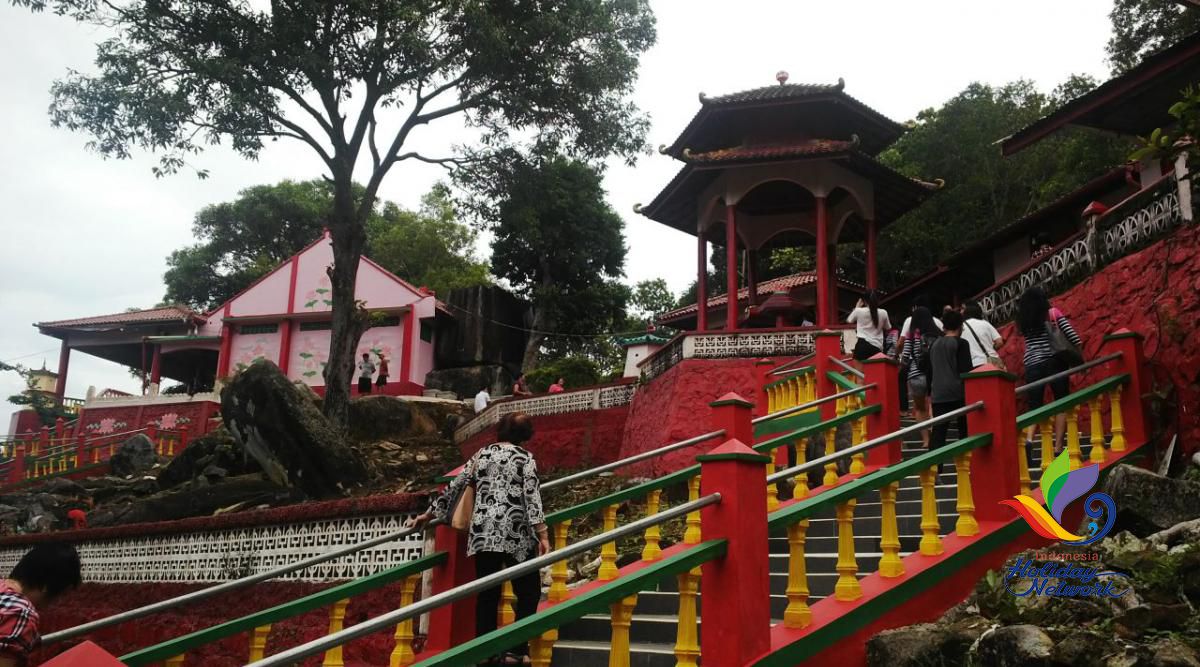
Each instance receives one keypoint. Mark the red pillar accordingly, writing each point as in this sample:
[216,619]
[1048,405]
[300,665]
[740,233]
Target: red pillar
[995,475]
[732,413]
[881,371]
[226,350]
[701,282]
[763,377]
[823,277]
[872,268]
[831,253]
[1133,362]
[285,342]
[451,624]
[64,360]
[406,351]
[828,344]
[738,629]
[156,365]
[17,472]
[731,277]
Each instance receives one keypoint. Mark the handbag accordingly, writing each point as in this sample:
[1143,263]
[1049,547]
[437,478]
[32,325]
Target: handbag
[991,359]
[1064,350]
[464,509]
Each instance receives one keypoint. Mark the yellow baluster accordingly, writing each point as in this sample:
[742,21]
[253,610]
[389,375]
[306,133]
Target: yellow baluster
[797,614]
[692,534]
[1047,431]
[966,526]
[831,471]
[337,619]
[505,614]
[687,637]
[890,564]
[794,391]
[847,587]
[558,572]
[652,552]
[608,551]
[800,489]
[1118,422]
[1096,437]
[258,643]
[541,649]
[1023,463]
[95,454]
[839,408]
[812,388]
[1073,450]
[622,616]
[177,661]
[931,540]
[772,402]
[772,488]
[402,654]
[858,432]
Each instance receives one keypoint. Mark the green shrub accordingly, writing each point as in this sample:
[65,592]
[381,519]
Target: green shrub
[576,371]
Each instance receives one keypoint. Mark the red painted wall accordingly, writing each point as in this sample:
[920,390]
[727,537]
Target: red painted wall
[572,440]
[1155,292]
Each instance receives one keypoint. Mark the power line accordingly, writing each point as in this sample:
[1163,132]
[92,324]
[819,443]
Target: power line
[25,356]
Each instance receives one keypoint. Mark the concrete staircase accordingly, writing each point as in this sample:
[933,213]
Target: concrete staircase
[585,642]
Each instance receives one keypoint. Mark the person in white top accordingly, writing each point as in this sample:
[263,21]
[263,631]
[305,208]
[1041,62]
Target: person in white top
[871,324]
[481,400]
[980,335]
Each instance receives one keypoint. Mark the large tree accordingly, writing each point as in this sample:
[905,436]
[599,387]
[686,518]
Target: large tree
[1143,27]
[352,81]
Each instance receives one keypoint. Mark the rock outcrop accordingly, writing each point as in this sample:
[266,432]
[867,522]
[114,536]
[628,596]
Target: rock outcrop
[487,329]
[216,450]
[195,500]
[1147,502]
[465,382]
[134,457]
[285,432]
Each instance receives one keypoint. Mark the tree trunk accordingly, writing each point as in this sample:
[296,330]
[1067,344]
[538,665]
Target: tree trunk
[533,345]
[349,318]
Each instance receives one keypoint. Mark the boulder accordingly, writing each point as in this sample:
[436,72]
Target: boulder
[1171,652]
[217,448]
[487,328]
[1081,648]
[1015,646]
[465,382]
[61,486]
[1148,503]
[923,644]
[197,500]
[285,432]
[134,457]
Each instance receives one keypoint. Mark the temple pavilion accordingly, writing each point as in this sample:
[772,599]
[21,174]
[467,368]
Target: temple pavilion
[788,165]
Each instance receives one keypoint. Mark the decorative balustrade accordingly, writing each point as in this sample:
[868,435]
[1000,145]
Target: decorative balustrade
[597,398]
[752,343]
[54,452]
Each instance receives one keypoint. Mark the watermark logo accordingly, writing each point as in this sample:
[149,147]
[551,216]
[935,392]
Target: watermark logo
[1063,579]
[1060,487]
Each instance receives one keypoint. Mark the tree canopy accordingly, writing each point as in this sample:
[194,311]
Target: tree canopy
[352,81]
[1143,27]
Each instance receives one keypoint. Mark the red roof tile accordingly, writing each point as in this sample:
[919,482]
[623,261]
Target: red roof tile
[769,151]
[173,313]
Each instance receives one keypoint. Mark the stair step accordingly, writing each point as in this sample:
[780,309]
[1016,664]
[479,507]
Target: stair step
[575,653]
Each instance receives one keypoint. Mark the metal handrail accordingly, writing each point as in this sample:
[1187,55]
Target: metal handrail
[584,474]
[801,408]
[871,444]
[848,368]
[1068,373]
[782,368]
[205,593]
[391,618]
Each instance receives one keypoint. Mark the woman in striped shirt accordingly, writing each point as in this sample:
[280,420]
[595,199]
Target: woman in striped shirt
[1035,317]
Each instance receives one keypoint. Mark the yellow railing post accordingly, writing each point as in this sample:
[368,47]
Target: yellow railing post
[258,642]
[1074,452]
[1023,463]
[692,534]
[800,489]
[847,587]
[1047,431]
[797,614]
[772,488]
[772,400]
[541,649]
[652,552]
[858,431]
[505,613]
[687,638]
[831,471]
[931,540]
[176,661]
[558,572]
[402,654]
[622,616]
[1118,423]
[608,551]
[337,619]
[890,564]
[966,526]
[1096,437]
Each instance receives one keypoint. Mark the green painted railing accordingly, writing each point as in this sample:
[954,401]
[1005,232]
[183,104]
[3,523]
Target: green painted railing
[789,374]
[807,431]
[1065,403]
[843,382]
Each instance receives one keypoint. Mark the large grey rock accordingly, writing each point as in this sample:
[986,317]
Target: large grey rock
[926,644]
[1148,502]
[134,457]
[1015,646]
[1171,652]
[467,381]
[197,500]
[285,432]
[217,448]
[486,329]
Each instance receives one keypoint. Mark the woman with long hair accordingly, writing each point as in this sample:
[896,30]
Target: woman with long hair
[508,525]
[1035,317]
[871,324]
[922,332]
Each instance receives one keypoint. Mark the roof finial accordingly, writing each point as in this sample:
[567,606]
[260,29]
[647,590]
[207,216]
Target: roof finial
[781,76]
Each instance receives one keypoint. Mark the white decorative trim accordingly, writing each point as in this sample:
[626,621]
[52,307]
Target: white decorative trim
[550,404]
[160,399]
[733,345]
[222,555]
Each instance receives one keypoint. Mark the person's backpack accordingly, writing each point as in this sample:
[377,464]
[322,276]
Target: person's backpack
[924,365]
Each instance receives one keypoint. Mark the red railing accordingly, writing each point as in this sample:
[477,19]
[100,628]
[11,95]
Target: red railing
[53,452]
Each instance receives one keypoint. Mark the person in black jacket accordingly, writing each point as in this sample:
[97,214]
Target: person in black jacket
[949,358]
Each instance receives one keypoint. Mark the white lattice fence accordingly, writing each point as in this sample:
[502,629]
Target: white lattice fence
[221,555]
[551,404]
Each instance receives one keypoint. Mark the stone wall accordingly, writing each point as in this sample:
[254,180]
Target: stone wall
[487,329]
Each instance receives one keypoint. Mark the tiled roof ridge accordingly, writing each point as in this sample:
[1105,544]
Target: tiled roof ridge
[179,310]
[788,281]
[786,91]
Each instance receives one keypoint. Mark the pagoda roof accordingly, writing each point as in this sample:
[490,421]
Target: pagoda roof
[674,206]
[1134,103]
[766,287]
[172,314]
[787,109]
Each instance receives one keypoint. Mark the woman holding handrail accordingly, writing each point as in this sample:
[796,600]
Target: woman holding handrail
[507,524]
[1036,320]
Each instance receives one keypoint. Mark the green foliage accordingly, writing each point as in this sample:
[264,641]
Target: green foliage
[1143,27]
[48,410]
[985,191]
[649,298]
[1166,143]
[575,371]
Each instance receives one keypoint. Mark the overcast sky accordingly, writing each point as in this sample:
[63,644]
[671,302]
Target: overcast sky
[85,236]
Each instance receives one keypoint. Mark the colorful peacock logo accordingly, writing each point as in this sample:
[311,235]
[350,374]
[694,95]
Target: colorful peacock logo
[1060,487]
